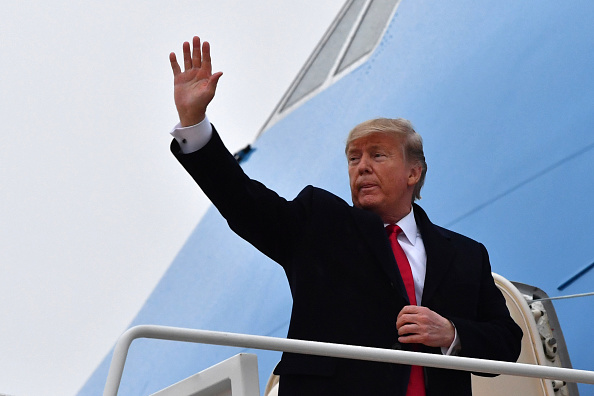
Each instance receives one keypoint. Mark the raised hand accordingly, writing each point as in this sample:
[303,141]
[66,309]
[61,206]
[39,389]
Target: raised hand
[195,87]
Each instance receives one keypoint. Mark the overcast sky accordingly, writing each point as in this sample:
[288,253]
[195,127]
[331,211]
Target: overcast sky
[94,207]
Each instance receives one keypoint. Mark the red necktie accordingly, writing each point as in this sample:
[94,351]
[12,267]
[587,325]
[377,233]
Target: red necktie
[416,382]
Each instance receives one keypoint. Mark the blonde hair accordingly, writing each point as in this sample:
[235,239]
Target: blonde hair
[403,130]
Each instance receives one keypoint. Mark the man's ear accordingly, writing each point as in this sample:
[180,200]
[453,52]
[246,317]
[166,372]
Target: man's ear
[415,174]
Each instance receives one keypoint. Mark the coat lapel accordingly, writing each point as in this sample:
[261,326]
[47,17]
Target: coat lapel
[373,233]
[439,250]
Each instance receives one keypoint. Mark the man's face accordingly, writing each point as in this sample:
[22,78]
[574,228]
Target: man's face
[380,178]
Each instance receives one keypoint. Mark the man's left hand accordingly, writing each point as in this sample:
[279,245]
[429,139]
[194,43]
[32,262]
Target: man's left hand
[420,325]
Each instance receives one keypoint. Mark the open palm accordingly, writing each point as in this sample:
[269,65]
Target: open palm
[195,87]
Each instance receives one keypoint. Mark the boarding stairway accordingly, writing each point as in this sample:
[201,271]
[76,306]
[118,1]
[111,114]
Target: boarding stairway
[543,368]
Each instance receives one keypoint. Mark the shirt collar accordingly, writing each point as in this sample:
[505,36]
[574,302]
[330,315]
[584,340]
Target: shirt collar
[409,227]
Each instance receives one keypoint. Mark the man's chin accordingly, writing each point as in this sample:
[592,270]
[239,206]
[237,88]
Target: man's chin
[367,204]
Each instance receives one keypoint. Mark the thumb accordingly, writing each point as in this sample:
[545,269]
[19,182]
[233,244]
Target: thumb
[214,80]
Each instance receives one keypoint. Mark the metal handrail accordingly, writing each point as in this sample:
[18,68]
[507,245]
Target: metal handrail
[327,349]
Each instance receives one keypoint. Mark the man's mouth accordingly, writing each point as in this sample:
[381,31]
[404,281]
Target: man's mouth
[366,186]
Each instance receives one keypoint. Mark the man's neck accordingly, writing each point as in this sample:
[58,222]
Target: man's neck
[393,218]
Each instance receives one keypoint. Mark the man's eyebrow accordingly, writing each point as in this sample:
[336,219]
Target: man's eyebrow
[373,147]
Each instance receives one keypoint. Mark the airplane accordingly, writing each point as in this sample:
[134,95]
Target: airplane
[503,95]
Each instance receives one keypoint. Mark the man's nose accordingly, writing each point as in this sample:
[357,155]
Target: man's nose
[364,165]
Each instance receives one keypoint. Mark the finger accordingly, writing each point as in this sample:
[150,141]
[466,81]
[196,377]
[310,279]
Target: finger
[409,334]
[206,61]
[174,65]
[407,314]
[410,339]
[408,325]
[187,58]
[410,309]
[403,319]
[406,329]
[213,81]
[196,56]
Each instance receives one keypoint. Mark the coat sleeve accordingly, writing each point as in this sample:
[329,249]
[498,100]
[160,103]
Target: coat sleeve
[492,334]
[254,212]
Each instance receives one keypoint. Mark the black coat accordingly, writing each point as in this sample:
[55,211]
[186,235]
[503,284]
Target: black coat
[345,282]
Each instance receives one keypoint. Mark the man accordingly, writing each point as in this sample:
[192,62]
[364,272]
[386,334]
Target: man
[419,288]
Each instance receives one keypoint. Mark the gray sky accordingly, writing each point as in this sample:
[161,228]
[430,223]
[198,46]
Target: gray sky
[94,207]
